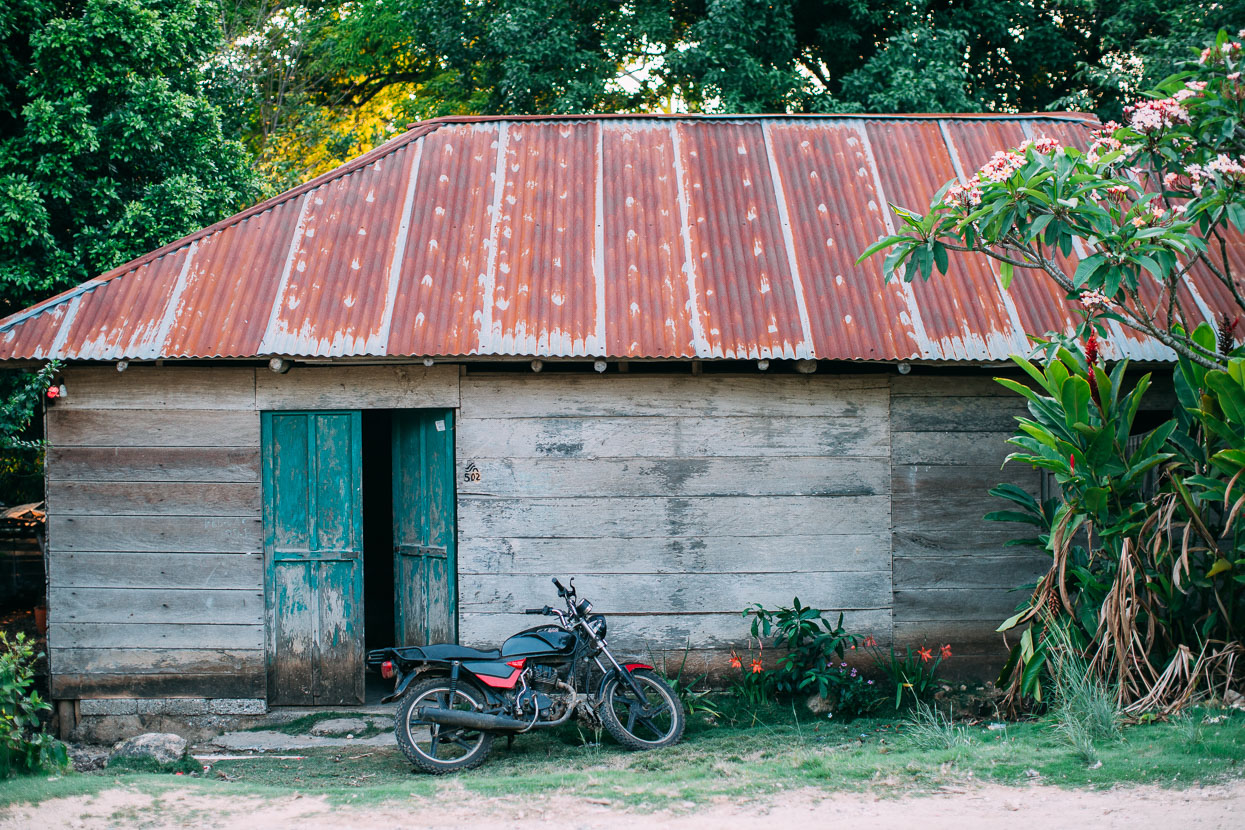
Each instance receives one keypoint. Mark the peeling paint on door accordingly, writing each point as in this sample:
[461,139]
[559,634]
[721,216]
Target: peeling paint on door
[313,540]
[425,560]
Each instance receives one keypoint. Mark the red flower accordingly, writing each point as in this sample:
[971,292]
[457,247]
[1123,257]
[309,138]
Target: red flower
[1091,357]
[1072,462]
[870,642]
[736,662]
[756,666]
[924,654]
[945,652]
[54,391]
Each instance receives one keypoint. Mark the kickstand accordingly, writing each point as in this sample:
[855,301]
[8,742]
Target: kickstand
[509,742]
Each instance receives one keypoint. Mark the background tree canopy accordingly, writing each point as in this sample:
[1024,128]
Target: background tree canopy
[324,81]
[108,145]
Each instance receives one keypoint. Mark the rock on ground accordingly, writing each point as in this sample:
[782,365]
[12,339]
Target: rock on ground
[280,742]
[161,747]
[87,758]
[339,726]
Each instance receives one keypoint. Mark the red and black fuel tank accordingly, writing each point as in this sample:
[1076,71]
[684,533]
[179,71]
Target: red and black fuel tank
[535,642]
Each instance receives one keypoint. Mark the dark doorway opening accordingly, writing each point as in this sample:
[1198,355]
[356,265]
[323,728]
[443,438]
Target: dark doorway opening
[378,594]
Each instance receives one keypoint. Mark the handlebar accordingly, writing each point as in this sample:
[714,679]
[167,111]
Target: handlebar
[544,610]
[558,585]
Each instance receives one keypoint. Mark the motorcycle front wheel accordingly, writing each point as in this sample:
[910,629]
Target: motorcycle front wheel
[433,747]
[651,722]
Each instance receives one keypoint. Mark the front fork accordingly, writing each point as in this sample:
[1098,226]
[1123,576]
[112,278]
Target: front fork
[619,669]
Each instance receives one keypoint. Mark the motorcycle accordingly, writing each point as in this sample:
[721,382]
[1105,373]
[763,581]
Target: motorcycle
[455,700]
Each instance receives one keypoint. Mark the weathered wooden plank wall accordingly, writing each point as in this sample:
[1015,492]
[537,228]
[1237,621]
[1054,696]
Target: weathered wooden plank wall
[952,574]
[155,564]
[677,500]
[155,541]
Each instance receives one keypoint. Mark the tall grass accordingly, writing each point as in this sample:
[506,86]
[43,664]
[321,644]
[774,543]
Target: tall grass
[1086,711]
[928,728]
[1192,730]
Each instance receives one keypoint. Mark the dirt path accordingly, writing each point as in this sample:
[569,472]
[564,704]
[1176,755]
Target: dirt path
[974,808]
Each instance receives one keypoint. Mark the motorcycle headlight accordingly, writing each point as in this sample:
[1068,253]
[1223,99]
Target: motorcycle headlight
[597,621]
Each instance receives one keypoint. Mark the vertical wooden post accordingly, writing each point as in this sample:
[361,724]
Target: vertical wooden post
[66,718]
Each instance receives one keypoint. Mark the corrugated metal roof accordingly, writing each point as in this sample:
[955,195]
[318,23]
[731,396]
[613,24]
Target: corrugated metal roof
[625,236]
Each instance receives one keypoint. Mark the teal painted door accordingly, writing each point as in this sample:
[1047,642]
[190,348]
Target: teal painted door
[313,540]
[424,556]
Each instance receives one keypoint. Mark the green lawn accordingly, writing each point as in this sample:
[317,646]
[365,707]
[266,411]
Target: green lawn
[758,756]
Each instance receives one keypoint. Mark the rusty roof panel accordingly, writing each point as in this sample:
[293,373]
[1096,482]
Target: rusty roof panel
[230,287]
[437,308]
[643,257]
[851,308]
[336,277]
[750,305]
[964,313]
[96,331]
[650,237]
[542,295]
[39,334]
[1038,303]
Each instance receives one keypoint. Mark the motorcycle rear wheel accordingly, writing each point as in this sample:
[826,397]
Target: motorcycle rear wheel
[625,718]
[430,746]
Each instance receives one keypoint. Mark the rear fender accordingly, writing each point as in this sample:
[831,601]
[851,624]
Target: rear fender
[399,688]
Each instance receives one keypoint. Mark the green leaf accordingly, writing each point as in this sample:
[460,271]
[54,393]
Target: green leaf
[1229,394]
[1074,395]
[880,245]
[1205,336]
[1150,265]
[1013,516]
[1236,214]
[1031,677]
[1011,621]
[1086,268]
[1005,274]
[1016,494]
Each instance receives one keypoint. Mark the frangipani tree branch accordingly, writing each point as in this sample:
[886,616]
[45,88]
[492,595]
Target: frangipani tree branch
[1146,204]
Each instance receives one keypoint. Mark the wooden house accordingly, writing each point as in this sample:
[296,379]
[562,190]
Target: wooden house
[391,403]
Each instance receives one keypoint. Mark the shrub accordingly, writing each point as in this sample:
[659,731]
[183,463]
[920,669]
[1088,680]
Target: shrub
[813,660]
[809,640]
[1146,562]
[21,462]
[24,747]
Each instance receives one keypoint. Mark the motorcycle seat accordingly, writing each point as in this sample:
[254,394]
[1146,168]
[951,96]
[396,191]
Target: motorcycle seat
[448,651]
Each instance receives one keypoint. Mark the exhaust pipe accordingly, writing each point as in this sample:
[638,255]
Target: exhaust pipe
[472,720]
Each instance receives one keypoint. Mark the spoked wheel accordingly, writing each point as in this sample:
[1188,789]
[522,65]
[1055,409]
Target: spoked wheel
[651,722]
[431,746]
